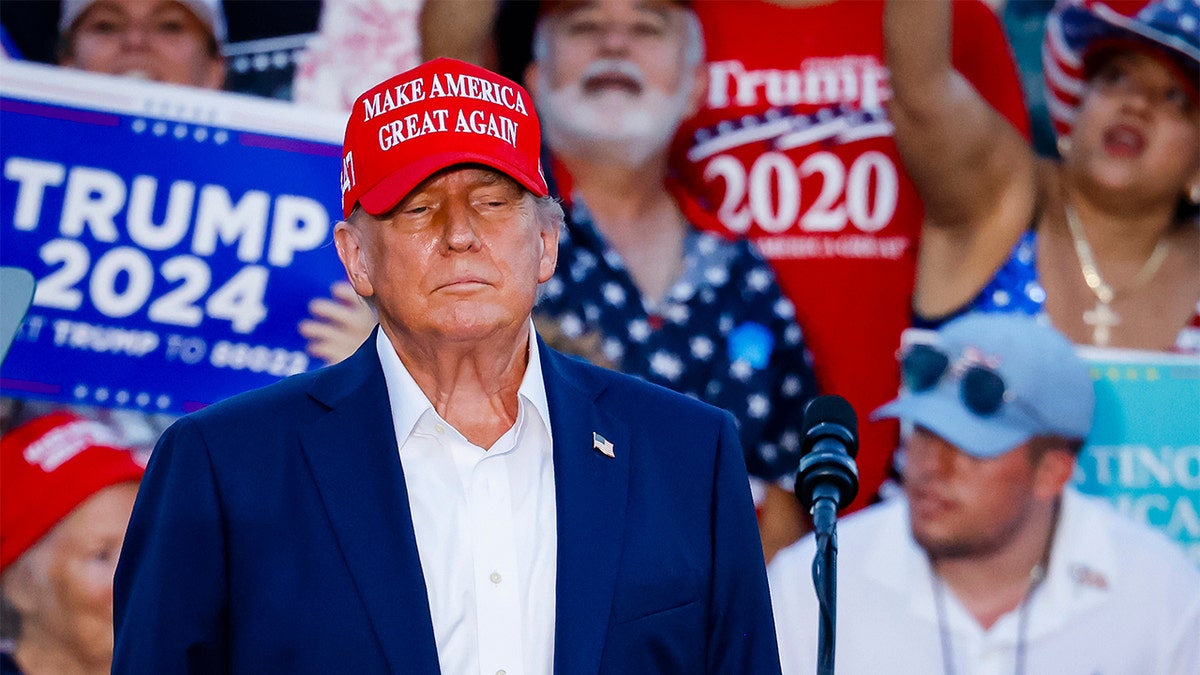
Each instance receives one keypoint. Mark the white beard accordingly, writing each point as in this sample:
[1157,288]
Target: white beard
[613,125]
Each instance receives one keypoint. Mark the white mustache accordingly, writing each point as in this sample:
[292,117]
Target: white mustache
[618,66]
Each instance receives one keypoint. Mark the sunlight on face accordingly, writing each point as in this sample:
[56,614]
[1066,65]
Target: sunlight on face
[962,505]
[460,258]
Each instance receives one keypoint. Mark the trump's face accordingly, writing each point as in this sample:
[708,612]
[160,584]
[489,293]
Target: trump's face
[458,260]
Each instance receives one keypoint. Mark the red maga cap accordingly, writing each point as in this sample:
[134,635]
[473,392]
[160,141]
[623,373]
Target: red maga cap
[441,113]
[49,466]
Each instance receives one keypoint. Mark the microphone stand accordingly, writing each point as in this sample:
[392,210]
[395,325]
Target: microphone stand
[824,573]
[827,481]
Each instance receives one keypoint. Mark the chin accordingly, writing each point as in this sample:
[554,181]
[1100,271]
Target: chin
[464,325]
[641,125]
[944,548]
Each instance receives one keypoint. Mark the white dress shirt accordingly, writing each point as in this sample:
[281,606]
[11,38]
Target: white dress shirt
[1118,599]
[485,525]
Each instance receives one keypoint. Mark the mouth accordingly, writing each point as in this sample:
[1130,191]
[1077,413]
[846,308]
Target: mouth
[463,285]
[604,82]
[927,503]
[1123,140]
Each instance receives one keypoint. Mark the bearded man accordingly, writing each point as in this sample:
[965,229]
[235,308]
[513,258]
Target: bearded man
[612,81]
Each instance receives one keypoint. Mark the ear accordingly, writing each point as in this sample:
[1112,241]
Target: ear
[1052,473]
[699,89]
[19,586]
[1192,188]
[350,250]
[549,260]
[531,78]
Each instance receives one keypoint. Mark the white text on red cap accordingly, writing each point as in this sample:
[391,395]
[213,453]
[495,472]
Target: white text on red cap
[60,445]
[460,86]
[446,85]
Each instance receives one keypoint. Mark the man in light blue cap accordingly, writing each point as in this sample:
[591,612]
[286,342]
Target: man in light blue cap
[990,562]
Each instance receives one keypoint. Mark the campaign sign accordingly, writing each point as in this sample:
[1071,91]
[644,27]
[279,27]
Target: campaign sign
[1144,450]
[176,236]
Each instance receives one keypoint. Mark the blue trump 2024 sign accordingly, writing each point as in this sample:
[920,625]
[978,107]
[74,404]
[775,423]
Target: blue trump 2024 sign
[176,236]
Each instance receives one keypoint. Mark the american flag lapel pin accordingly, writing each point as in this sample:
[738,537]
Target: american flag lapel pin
[602,444]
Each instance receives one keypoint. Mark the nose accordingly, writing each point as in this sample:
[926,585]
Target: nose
[927,456]
[460,233]
[1138,98]
[135,36]
[614,40]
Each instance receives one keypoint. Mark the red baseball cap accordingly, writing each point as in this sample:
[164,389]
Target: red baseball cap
[48,467]
[441,113]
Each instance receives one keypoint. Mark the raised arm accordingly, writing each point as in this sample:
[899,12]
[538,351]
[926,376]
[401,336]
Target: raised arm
[975,172]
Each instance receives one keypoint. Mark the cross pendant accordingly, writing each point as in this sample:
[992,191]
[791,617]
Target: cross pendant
[1101,319]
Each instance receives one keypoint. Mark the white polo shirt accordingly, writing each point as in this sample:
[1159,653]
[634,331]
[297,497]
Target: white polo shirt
[1119,599]
[485,525]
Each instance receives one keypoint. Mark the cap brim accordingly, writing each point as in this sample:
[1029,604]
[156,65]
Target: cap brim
[1099,49]
[92,480]
[390,191]
[947,417]
[1089,25]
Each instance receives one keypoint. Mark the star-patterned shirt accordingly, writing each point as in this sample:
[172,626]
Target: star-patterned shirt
[723,333]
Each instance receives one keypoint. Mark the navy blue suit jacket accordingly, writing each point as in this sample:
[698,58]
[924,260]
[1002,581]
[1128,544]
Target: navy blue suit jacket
[272,534]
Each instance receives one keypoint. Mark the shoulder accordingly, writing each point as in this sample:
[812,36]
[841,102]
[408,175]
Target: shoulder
[741,252]
[737,269]
[295,398]
[279,401]
[1140,550]
[855,533]
[872,566]
[8,665]
[615,384]
[623,394]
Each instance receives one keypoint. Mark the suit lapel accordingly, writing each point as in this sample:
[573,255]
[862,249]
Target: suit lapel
[356,465]
[590,496]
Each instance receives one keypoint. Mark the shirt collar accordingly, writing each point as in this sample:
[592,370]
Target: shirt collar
[897,562]
[1083,564]
[533,384]
[409,403]
[1081,572]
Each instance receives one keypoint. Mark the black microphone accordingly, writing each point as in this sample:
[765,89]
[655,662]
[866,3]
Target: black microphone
[827,479]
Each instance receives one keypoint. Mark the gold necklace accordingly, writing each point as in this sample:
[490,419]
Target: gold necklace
[1102,318]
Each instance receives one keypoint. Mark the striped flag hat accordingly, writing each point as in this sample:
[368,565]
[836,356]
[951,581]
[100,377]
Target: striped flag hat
[1075,27]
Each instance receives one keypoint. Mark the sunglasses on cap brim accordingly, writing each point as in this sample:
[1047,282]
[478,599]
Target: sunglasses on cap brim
[982,390]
